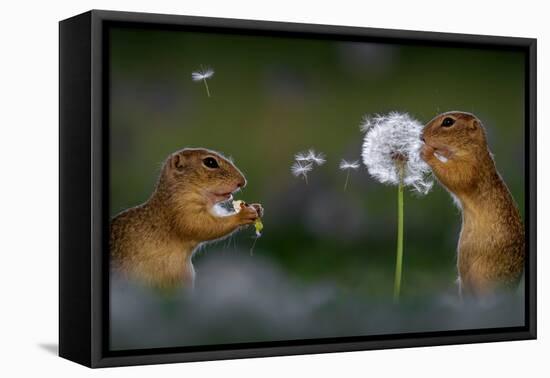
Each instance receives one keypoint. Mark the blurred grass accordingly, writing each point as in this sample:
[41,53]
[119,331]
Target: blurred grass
[273,97]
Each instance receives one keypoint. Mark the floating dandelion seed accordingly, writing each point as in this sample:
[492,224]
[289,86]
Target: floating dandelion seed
[391,153]
[301,157]
[348,166]
[317,158]
[310,156]
[305,162]
[203,75]
[298,170]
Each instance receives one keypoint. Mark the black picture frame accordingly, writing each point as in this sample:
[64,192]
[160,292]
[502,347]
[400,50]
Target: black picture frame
[84,190]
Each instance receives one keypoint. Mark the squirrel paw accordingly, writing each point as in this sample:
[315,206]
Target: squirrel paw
[259,209]
[248,215]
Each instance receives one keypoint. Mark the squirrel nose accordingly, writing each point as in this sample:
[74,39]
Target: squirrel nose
[422,139]
[241,183]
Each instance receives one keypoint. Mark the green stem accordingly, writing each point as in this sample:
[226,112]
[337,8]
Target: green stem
[399,254]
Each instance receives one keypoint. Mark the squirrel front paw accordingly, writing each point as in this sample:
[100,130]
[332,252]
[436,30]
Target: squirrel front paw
[259,209]
[248,215]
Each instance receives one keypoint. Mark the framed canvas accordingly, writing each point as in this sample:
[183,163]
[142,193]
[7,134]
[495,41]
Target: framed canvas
[234,188]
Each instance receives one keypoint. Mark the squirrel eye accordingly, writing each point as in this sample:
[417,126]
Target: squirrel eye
[210,162]
[447,122]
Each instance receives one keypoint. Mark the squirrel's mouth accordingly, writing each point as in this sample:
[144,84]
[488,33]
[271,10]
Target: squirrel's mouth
[215,197]
[441,152]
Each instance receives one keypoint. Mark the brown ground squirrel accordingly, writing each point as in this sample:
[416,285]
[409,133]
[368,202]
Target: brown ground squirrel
[154,242]
[491,247]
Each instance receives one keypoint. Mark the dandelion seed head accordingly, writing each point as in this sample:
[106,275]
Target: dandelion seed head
[349,165]
[392,137]
[202,74]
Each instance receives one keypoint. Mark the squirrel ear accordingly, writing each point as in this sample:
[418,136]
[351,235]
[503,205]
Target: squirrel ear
[474,125]
[176,162]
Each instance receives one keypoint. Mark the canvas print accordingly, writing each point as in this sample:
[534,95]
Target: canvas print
[275,188]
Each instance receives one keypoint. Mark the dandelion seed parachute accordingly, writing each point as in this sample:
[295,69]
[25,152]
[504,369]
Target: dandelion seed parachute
[301,157]
[305,161]
[202,74]
[310,156]
[391,135]
[349,165]
[298,169]
[317,158]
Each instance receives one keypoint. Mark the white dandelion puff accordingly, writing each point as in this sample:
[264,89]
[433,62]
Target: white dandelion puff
[317,158]
[348,166]
[391,151]
[203,75]
[298,170]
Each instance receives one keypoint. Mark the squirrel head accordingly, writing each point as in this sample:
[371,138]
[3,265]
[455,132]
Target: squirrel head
[455,147]
[200,175]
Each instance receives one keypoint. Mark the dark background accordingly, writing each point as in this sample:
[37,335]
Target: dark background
[324,266]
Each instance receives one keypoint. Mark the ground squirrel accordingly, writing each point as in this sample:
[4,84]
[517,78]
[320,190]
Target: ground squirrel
[491,247]
[154,242]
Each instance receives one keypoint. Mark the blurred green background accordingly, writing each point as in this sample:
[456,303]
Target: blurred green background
[272,97]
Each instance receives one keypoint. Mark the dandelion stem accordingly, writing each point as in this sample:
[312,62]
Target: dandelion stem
[305,178]
[206,85]
[399,254]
